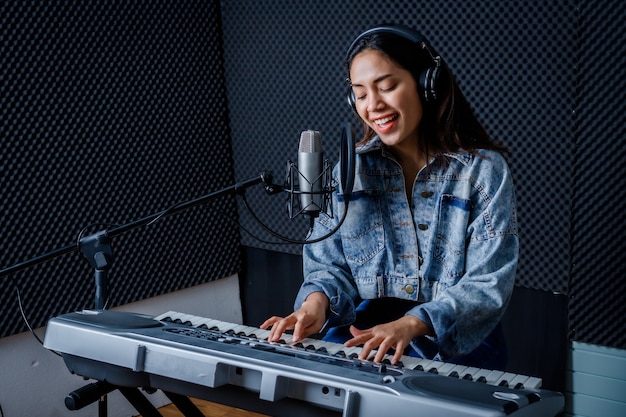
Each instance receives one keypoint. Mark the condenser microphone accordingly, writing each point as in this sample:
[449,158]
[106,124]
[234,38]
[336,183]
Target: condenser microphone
[310,173]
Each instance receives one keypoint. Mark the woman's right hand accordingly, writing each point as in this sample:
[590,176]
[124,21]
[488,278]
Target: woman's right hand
[304,322]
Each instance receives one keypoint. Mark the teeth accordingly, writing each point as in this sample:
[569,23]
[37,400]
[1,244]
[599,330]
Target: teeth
[384,120]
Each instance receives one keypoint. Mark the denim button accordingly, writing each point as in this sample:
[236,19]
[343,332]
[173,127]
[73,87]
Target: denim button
[409,289]
[426,194]
[422,226]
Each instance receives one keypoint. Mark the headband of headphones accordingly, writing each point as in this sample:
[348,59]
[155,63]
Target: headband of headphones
[427,79]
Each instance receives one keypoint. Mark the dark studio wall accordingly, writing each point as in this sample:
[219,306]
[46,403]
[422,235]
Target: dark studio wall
[111,111]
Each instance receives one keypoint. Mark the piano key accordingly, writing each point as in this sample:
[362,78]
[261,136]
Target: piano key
[424,365]
[169,316]
[287,338]
[478,374]
[207,323]
[260,334]
[197,321]
[444,368]
[493,377]
[412,362]
[470,372]
[309,341]
[239,329]
[225,326]
[504,380]
[518,381]
[458,371]
[331,348]
[533,383]
[183,317]
[435,367]
[174,316]
[352,351]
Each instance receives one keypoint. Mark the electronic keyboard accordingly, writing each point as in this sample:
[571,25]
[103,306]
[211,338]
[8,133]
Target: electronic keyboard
[216,360]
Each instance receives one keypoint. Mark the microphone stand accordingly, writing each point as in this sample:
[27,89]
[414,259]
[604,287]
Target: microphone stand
[97,249]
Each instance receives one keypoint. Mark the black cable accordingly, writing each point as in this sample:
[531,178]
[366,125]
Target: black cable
[19,302]
[288,239]
[284,240]
[19,296]
[251,234]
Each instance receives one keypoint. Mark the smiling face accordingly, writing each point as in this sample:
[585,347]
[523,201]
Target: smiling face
[386,99]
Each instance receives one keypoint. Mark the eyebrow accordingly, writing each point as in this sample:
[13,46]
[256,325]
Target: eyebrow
[376,81]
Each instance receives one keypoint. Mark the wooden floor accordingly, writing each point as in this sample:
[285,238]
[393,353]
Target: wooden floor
[209,410]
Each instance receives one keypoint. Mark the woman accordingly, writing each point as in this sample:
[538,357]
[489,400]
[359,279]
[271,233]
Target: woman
[425,261]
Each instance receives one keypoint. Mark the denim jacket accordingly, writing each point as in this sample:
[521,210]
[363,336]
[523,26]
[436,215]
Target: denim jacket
[453,249]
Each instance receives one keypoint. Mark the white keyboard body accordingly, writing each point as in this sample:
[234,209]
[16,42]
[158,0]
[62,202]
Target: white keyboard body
[191,355]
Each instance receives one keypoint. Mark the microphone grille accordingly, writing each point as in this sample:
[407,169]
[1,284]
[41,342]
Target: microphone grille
[310,141]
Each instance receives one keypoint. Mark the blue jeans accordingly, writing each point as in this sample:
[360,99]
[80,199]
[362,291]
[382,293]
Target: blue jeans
[490,354]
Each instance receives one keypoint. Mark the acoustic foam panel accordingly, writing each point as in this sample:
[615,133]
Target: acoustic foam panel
[111,111]
[598,264]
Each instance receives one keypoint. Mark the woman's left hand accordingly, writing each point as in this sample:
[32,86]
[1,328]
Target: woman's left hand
[394,335]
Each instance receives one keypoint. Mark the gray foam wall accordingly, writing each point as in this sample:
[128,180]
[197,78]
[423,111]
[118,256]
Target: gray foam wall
[111,111]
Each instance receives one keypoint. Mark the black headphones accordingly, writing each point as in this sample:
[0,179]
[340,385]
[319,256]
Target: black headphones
[427,79]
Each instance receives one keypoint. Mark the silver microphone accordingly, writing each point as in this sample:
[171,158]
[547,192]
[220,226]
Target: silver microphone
[311,168]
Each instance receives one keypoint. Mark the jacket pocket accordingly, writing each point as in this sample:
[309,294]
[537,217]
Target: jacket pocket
[452,233]
[363,231]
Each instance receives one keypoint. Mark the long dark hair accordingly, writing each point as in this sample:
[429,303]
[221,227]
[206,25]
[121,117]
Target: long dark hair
[449,123]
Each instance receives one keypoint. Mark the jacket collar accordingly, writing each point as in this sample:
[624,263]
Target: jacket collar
[377,145]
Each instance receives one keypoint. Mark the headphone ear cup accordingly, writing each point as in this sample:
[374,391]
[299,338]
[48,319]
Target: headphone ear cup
[428,82]
[350,97]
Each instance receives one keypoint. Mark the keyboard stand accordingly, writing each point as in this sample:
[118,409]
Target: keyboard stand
[98,391]
[184,405]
